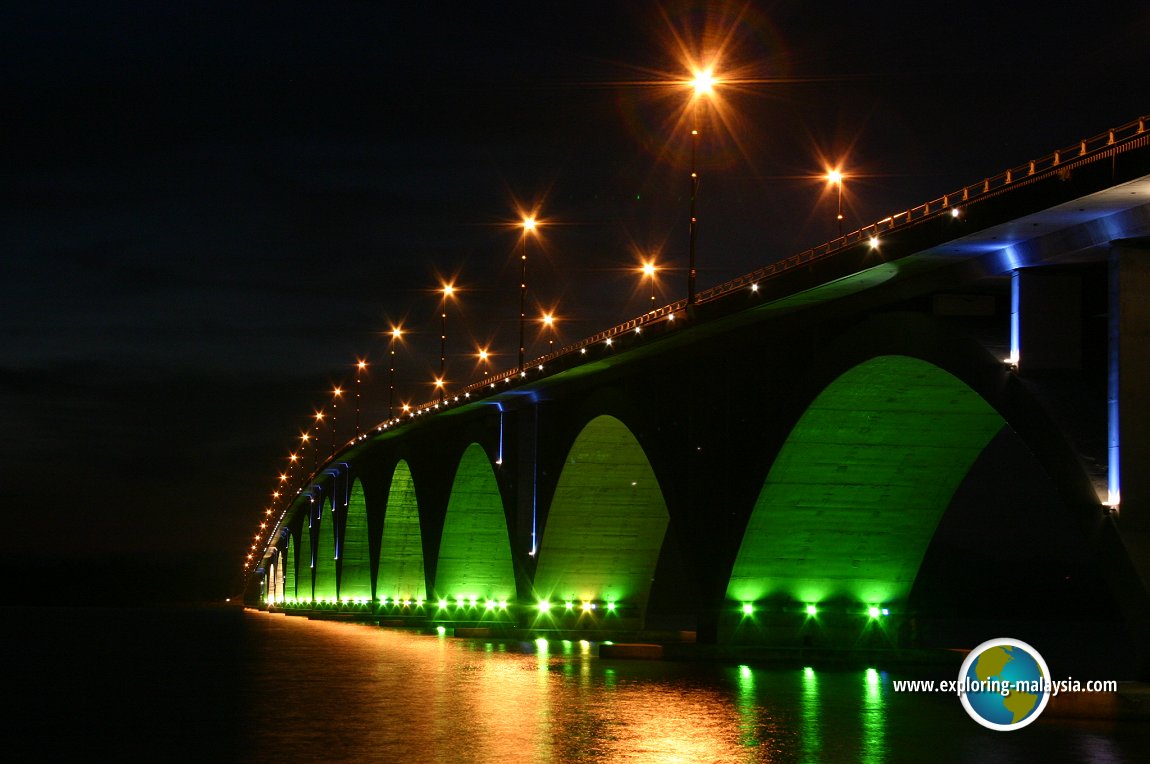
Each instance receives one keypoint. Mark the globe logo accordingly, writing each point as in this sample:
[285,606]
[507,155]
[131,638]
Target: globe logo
[1004,684]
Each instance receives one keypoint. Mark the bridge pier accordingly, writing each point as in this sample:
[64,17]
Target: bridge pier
[1129,429]
[1129,406]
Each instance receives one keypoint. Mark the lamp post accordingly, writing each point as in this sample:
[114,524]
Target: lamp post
[293,458]
[336,394]
[528,227]
[304,438]
[484,358]
[448,290]
[396,334]
[318,424]
[360,367]
[835,177]
[703,84]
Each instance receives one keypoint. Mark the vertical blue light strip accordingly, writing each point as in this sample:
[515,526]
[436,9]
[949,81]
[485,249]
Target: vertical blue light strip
[1113,484]
[499,460]
[1015,342]
[310,545]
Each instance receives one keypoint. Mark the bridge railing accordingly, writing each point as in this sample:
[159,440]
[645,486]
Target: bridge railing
[1117,139]
[1087,150]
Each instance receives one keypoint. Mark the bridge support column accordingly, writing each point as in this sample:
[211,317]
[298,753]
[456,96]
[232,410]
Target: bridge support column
[1128,399]
[1129,385]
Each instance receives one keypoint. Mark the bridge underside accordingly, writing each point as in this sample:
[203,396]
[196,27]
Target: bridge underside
[355,576]
[850,505]
[326,588]
[400,574]
[606,524]
[475,562]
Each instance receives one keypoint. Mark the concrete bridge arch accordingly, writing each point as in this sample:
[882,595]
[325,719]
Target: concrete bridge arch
[891,416]
[710,494]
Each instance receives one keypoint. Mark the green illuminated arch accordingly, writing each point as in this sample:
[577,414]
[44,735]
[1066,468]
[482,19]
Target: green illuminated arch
[325,555]
[288,562]
[606,523]
[856,492]
[401,573]
[475,550]
[355,576]
[306,565]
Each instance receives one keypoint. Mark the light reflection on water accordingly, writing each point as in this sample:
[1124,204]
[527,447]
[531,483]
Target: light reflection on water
[812,736]
[338,692]
[223,686]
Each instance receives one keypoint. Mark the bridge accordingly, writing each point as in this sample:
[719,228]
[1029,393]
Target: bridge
[768,463]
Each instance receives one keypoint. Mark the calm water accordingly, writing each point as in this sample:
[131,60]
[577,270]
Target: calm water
[220,685]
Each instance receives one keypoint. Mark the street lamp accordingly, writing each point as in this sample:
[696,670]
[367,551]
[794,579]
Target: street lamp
[448,290]
[835,178]
[703,84]
[528,227]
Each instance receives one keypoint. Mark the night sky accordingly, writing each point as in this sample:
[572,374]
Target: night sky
[212,209]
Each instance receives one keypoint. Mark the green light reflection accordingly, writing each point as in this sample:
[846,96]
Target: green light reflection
[745,705]
[811,716]
[873,718]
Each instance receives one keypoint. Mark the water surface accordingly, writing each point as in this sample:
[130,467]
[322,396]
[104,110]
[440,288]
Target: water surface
[225,685]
